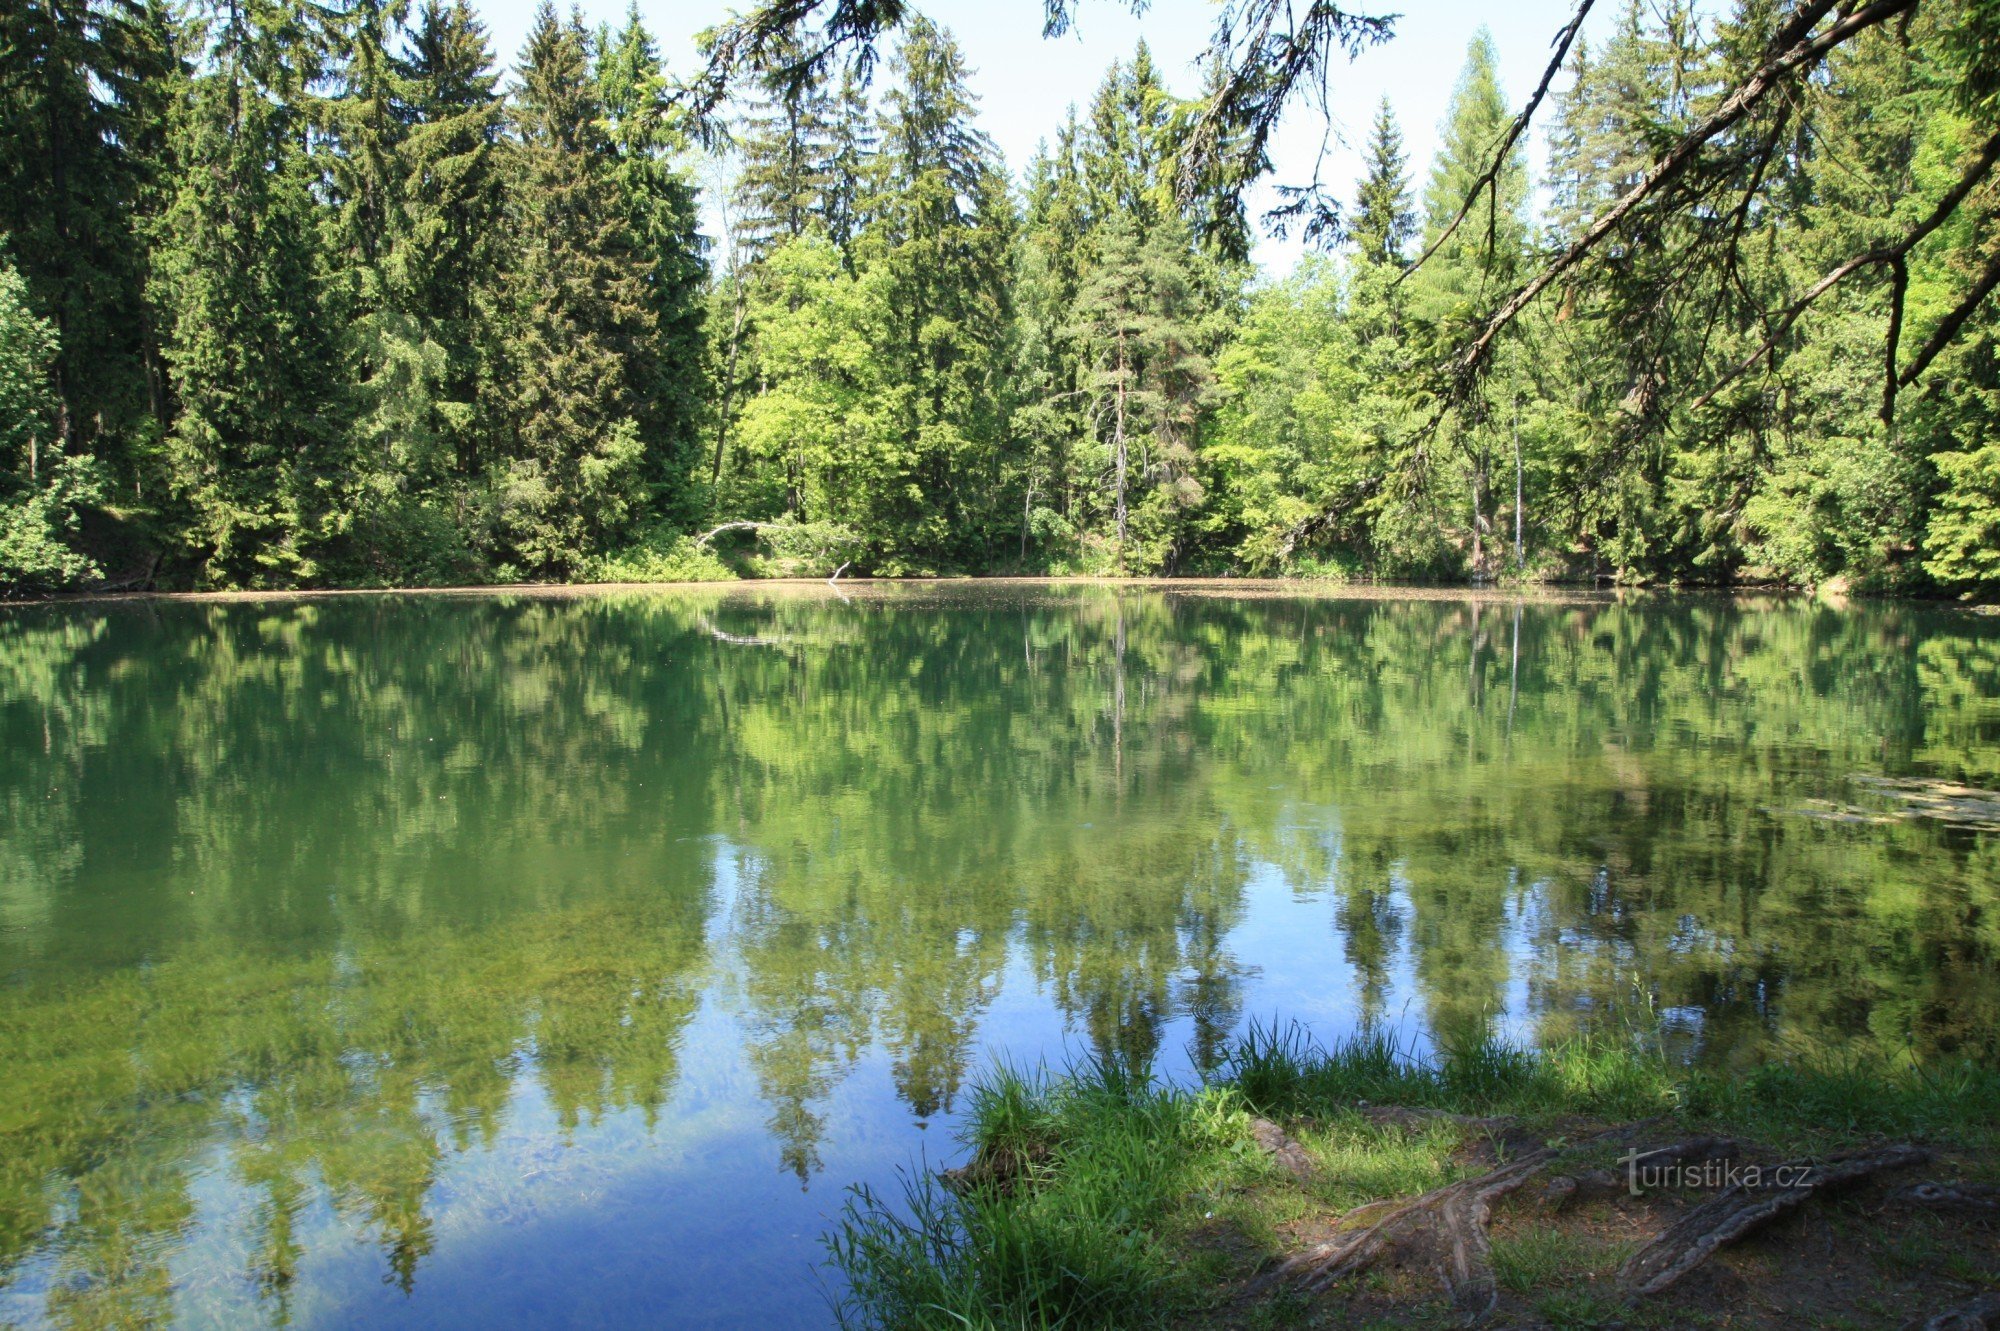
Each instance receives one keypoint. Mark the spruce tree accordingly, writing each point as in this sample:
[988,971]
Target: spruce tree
[254,452]
[1383,222]
[1139,315]
[1469,270]
[661,212]
[582,317]
[1050,413]
[940,242]
[788,142]
[444,272]
[41,487]
[1487,247]
[1127,149]
[83,93]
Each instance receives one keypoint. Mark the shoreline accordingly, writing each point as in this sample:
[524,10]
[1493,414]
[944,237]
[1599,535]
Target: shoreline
[1572,593]
[1574,1186]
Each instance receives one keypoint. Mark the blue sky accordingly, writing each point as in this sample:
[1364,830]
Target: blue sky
[1025,83]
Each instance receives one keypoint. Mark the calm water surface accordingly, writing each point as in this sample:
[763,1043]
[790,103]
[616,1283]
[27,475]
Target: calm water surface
[482,961]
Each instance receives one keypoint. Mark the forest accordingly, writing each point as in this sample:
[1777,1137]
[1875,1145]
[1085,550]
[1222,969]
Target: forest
[320,293]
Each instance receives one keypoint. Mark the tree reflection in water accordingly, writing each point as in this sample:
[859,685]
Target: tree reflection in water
[374,924]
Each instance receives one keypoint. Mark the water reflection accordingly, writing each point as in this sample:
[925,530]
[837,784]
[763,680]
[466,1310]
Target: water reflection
[460,960]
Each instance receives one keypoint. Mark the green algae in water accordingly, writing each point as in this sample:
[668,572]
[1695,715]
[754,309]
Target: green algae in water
[484,960]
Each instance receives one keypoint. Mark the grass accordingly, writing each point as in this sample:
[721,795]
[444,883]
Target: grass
[1544,1258]
[1135,1200]
[1282,1071]
[1075,1244]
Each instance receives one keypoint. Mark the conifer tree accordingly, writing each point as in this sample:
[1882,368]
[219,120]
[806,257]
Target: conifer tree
[41,487]
[581,317]
[1127,149]
[444,271]
[83,92]
[1383,222]
[1139,316]
[939,245]
[1050,413]
[254,451]
[661,212]
[1469,268]
[788,142]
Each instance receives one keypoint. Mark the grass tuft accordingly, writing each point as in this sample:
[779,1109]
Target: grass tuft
[1129,1183]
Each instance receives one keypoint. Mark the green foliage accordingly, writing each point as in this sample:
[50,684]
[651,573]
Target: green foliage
[1964,535]
[1123,1168]
[1383,223]
[86,94]
[1074,1243]
[663,556]
[329,308]
[254,454]
[42,488]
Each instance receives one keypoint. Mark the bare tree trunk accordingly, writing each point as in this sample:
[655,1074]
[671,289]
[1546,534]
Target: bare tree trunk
[1118,454]
[1478,527]
[728,389]
[1517,486]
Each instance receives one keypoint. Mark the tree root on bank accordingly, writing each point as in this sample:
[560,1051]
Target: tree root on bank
[1456,1214]
[1446,1228]
[1973,1198]
[1282,1147]
[1980,1314]
[1741,1208]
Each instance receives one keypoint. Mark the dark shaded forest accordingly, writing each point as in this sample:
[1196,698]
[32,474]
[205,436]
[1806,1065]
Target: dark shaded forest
[301,293]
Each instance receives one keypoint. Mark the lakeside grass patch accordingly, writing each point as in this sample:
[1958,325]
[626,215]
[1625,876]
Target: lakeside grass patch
[1101,1197]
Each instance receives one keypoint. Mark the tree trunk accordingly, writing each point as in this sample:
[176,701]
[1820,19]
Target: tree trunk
[1517,488]
[1118,454]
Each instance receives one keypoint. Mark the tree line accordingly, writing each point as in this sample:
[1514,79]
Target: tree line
[307,292]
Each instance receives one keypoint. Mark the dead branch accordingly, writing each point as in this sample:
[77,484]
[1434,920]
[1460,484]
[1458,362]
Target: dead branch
[1803,52]
[1896,256]
[1740,1209]
[1489,178]
[1948,326]
[714,532]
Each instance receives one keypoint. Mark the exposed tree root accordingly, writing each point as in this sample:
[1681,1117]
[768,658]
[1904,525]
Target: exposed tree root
[1453,1219]
[1981,1314]
[1282,1147]
[1738,1210]
[1593,1185]
[1975,1198]
[1446,1228]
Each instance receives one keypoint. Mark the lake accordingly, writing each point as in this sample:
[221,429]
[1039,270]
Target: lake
[531,959]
